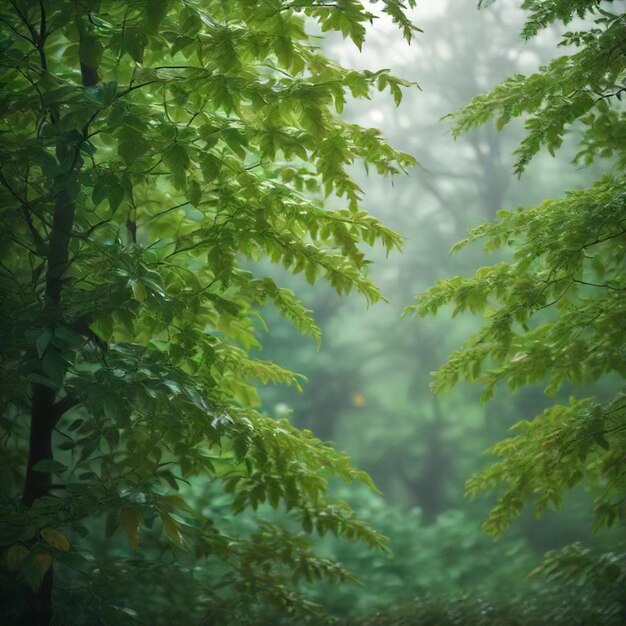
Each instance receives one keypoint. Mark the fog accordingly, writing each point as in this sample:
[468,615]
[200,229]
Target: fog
[368,388]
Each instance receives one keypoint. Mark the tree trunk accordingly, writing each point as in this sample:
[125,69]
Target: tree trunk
[44,414]
[41,425]
[45,411]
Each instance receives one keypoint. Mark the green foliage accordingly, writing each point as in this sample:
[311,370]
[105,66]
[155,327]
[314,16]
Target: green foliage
[581,86]
[580,569]
[151,149]
[444,558]
[555,312]
[572,586]
[548,605]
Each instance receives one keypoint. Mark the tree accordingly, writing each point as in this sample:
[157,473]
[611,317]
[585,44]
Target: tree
[554,313]
[148,147]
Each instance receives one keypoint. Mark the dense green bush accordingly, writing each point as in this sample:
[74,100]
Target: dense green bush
[572,587]
[444,557]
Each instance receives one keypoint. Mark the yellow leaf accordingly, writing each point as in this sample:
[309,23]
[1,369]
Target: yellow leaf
[130,519]
[139,290]
[55,538]
[44,561]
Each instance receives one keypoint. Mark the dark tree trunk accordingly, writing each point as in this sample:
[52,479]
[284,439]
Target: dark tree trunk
[44,413]
[37,485]
[43,418]
[41,426]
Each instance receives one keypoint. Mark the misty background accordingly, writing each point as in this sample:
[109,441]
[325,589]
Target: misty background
[368,388]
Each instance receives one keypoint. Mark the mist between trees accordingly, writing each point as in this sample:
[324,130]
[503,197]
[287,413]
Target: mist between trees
[223,401]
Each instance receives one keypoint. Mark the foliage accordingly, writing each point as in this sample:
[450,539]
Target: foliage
[547,605]
[596,576]
[149,148]
[443,558]
[555,313]
[374,371]
[573,586]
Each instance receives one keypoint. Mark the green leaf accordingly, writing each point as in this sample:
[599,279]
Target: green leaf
[42,380]
[132,146]
[42,343]
[189,22]
[49,466]
[274,493]
[139,290]
[135,41]
[601,440]
[156,10]
[68,337]
[54,366]
[15,555]
[194,192]
[31,571]
[115,195]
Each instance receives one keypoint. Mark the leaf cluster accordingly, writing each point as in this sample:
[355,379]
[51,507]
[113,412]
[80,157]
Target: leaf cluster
[152,150]
[554,311]
[583,89]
